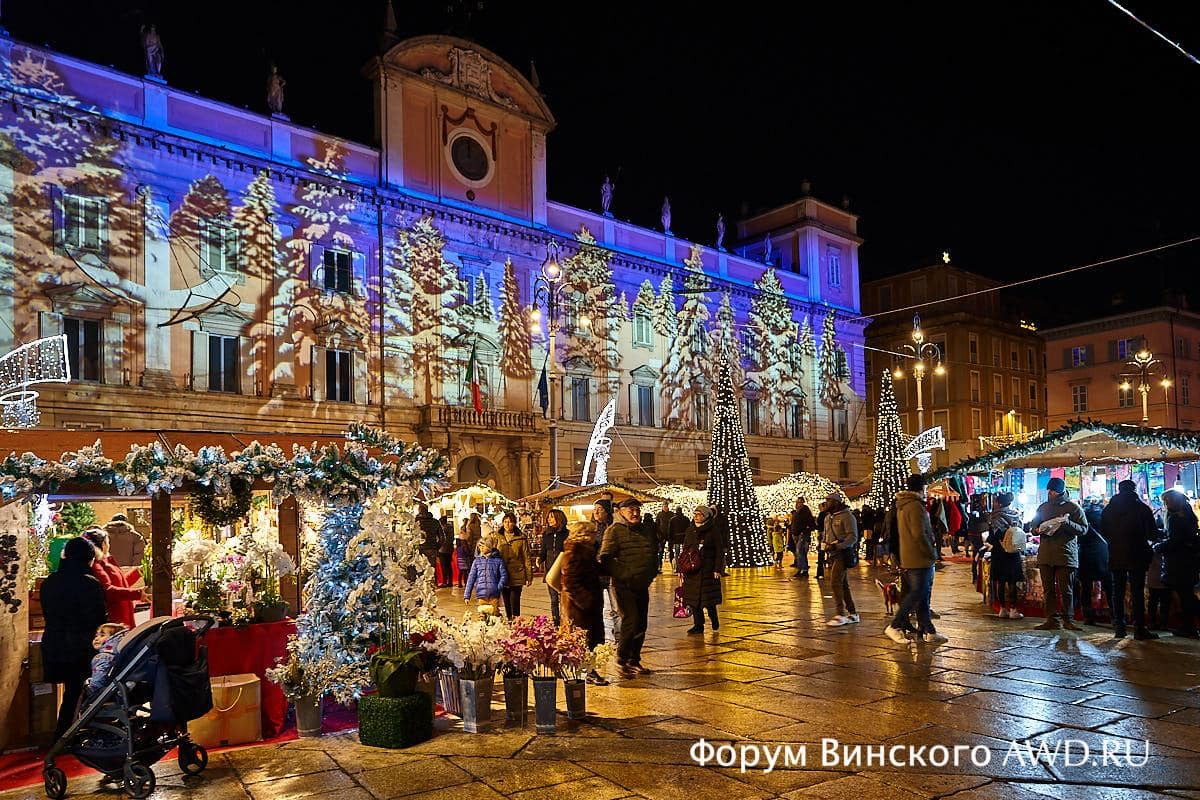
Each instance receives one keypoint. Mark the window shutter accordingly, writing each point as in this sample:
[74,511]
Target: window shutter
[1112,350]
[232,249]
[248,380]
[199,361]
[358,367]
[358,267]
[1067,358]
[102,228]
[112,352]
[58,215]
[318,374]
[316,264]
[1089,355]
[50,324]
[202,242]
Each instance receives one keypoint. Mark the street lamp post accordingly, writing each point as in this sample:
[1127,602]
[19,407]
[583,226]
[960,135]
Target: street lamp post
[1144,363]
[547,288]
[920,350]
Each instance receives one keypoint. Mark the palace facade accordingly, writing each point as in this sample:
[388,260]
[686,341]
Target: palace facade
[218,269]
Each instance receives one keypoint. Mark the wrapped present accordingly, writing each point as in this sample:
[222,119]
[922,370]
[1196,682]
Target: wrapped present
[236,715]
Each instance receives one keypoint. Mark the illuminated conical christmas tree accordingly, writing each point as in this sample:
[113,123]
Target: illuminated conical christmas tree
[730,483]
[890,468]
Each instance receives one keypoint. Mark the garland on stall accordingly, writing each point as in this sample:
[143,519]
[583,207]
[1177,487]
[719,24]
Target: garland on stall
[221,510]
[322,475]
[1163,438]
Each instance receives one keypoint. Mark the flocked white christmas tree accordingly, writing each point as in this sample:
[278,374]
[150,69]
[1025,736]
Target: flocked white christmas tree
[889,469]
[258,250]
[482,305]
[831,366]
[687,351]
[775,358]
[666,318]
[730,481]
[589,275]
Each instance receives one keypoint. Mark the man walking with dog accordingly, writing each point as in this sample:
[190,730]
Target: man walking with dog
[917,557]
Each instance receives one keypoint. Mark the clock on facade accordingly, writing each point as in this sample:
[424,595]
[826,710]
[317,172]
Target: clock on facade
[469,158]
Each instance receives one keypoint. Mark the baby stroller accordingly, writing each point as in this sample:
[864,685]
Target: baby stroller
[157,683]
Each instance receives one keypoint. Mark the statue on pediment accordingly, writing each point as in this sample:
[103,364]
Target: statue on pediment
[153,48]
[606,196]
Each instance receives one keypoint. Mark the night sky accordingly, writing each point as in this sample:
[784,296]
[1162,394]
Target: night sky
[1025,137]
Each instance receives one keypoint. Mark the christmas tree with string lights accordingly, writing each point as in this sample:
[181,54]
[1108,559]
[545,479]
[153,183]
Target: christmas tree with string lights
[889,470]
[730,483]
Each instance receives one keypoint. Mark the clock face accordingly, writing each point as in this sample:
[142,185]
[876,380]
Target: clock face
[469,158]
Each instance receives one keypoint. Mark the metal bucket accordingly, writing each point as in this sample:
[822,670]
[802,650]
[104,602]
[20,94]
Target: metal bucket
[576,692]
[476,701]
[516,700]
[545,705]
[308,715]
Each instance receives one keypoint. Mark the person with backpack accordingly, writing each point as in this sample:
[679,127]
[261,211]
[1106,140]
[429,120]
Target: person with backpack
[1007,539]
[917,554]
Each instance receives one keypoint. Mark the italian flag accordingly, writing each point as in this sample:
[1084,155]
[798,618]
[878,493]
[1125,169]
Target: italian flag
[472,379]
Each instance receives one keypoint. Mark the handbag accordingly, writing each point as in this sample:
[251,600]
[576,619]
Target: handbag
[681,609]
[689,560]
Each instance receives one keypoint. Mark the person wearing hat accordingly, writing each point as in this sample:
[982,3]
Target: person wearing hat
[627,556]
[1129,525]
[1008,568]
[1181,559]
[840,540]
[702,590]
[917,555]
[1059,523]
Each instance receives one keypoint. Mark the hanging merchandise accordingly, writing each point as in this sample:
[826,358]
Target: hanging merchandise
[1071,478]
[1155,478]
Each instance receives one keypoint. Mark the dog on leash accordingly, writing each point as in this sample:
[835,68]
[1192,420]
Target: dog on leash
[891,594]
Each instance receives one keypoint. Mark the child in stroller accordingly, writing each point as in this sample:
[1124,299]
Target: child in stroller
[140,698]
[108,636]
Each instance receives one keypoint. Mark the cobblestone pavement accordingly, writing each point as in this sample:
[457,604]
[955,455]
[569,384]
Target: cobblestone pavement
[774,674]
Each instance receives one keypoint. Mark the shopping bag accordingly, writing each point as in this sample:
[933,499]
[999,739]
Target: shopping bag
[681,609]
[236,716]
[554,574]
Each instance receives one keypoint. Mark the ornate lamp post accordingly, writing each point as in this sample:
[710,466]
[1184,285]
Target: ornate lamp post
[920,350]
[1144,364]
[547,290]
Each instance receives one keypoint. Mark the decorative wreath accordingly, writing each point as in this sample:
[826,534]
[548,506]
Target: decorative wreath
[220,510]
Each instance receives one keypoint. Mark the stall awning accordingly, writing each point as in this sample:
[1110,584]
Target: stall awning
[582,495]
[1086,442]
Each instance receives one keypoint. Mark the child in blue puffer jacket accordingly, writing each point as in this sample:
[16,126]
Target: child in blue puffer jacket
[488,576]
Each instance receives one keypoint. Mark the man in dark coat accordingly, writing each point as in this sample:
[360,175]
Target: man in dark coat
[663,524]
[627,556]
[679,524]
[73,603]
[1059,522]
[802,526]
[1129,526]
[822,512]
[431,534]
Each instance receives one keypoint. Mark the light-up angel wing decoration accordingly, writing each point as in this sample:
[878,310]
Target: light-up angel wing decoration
[41,361]
[599,447]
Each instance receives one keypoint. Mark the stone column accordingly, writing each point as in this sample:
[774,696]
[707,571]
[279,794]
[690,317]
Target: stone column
[157,248]
[519,458]
[7,255]
[535,470]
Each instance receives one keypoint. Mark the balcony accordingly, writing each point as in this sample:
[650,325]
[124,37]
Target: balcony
[460,417]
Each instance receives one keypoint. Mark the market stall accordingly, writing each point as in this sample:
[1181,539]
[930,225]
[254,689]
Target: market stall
[464,501]
[576,501]
[1091,458]
[221,526]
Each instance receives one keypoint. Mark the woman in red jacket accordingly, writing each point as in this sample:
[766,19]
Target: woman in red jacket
[119,595]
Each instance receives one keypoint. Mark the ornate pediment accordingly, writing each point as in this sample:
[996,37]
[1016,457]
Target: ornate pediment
[337,333]
[74,297]
[472,73]
[224,319]
[644,374]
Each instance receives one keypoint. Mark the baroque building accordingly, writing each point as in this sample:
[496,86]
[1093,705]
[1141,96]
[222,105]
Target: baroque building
[217,269]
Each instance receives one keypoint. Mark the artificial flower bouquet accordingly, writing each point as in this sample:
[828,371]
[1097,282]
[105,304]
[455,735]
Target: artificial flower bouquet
[471,647]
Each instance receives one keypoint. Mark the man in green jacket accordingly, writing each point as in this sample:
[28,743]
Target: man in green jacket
[1059,523]
[917,556]
[628,555]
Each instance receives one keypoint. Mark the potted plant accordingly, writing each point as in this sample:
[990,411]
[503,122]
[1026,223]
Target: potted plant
[267,563]
[576,661]
[540,639]
[403,654]
[299,686]
[517,665]
[472,649]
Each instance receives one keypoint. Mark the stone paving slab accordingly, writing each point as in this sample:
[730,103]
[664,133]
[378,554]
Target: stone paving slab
[774,675]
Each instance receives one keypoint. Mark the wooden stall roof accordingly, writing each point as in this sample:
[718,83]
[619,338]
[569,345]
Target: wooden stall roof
[580,495]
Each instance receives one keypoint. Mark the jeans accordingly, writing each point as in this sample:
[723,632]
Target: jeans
[918,585]
[447,568]
[72,689]
[613,610]
[801,562]
[634,604]
[512,601]
[554,609]
[1136,578]
[840,585]
[1057,582]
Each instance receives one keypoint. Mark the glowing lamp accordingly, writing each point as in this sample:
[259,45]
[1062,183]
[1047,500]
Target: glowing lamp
[939,370]
[1126,386]
[1166,383]
[535,315]
[585,320]
[898,374]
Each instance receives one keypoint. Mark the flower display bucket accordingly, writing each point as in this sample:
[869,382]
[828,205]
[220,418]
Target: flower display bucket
[308,715]
[448,684]
[274,612]
[576,692]
[476,702]
[545,705]
[392,677]
[516,700]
